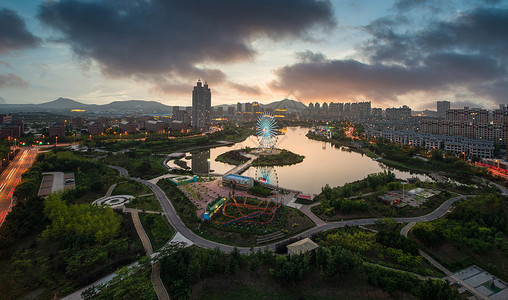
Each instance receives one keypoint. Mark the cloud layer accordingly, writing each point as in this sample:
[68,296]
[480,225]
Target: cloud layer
[165,40]
[13,32]
[12,81]
[468,53]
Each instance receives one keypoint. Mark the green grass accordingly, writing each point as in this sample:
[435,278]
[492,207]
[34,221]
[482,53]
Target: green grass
[147,203]
[157,228]
[142,166]
[131,187]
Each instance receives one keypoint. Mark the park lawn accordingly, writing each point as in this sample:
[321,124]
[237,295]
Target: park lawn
[132,188]
[157,228]
[141,166]
[145,203]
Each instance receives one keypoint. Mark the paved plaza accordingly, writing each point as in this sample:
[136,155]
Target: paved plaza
[201,193]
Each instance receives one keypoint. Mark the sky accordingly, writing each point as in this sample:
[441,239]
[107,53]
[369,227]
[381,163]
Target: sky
[412,52]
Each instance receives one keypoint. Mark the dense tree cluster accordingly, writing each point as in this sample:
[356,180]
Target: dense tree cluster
[79,224]
[284,158]
[392,280]
[43,241]
[396,240]
[234,157]
[336,262]
[479,222]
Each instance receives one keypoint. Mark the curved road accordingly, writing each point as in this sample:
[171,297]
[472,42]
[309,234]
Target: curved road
[175,220]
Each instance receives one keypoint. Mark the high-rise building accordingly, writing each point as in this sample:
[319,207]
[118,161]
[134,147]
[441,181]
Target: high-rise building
[248,108]
[442,107]
[239,107]
[201,106]
[256,107]
[176,109]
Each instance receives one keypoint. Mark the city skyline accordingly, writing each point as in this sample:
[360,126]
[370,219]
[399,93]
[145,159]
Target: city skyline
[389,52]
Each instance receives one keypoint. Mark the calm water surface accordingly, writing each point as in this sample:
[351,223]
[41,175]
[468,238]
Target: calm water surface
[323,163]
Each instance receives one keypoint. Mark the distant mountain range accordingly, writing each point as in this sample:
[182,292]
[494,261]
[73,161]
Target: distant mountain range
[66,105]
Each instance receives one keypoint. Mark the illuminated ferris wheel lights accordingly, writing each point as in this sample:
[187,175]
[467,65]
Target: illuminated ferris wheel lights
[265,128]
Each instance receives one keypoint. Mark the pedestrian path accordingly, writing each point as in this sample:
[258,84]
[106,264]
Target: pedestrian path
[110,190]
[156,280]
[306,210]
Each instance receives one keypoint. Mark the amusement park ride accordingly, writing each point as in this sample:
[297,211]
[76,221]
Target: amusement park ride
[266,132]
[264,211]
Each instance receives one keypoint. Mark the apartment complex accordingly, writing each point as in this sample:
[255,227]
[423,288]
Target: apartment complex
[480,148]
[201,106]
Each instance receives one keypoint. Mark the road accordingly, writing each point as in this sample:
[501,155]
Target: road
[175,220]
[11,176]
[177,223]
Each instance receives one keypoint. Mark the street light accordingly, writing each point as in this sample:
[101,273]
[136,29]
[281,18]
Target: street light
[56,144]
[208,166]
[403,185]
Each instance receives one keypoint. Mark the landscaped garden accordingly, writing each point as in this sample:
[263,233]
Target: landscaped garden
[287,220]
[361,199]
[474,233]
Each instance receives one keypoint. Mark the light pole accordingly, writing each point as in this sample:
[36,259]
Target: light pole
[403,185]
[208,167]
[56,144]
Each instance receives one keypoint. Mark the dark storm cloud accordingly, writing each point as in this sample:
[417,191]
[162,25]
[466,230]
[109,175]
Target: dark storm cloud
[482,31]
[468,53]
[174,37]
[13,32]
[12,81]
[350,78]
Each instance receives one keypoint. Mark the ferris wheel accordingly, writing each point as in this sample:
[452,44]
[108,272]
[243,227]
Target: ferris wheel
[265,129]
[267,175]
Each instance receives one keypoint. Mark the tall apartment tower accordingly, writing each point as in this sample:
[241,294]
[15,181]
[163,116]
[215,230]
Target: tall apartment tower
[442,107]
[201,106]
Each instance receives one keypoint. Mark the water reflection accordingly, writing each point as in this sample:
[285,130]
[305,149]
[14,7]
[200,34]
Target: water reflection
[267,175]
[200,161]
[323,163]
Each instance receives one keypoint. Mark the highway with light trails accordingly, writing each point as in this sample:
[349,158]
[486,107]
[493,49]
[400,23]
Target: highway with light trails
[11,177]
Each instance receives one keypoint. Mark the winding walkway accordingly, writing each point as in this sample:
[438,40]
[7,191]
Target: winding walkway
[160,290]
